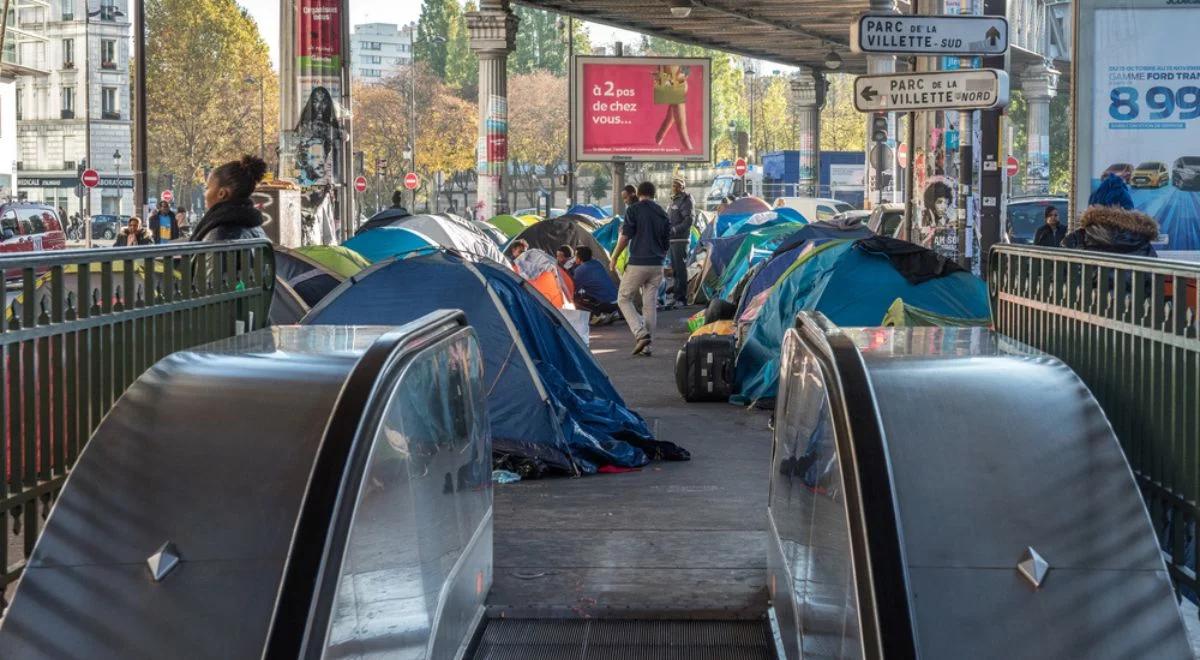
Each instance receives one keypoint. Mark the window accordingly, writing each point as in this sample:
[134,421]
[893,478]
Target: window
[108,54]
[67,9]
[68,103]
[108,99]
[372,45]
[109,12]
[20,93]
[68,50]
[374,59]
[372,73]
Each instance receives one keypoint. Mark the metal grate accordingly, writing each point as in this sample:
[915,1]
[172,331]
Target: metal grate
[625,639]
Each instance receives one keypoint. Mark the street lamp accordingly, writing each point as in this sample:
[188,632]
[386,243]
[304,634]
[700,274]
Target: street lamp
[262,113]
[117,164]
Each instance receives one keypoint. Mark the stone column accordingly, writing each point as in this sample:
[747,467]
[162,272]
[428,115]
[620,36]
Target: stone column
[881,64]
[1039,84]
[808,92]
[492,31]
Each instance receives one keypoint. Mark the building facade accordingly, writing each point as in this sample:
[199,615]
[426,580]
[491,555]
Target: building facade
[380,50]
[83,96]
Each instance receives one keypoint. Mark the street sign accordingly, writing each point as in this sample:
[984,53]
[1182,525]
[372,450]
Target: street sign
[902,155]
[360,184]
[1013,167]
[167,196]
[967,89]
[411,181]
[739,167]
[929,35]
[90,178]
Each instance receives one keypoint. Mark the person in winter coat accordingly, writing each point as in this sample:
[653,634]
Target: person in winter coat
[1114,230]
[680,215]
[133,235]
[231,214]
[1112,191]
[1053,232]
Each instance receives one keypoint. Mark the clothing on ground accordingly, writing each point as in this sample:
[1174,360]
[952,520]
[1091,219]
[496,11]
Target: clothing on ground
[593,281]
[648,229]
[643,280]
[1050,236]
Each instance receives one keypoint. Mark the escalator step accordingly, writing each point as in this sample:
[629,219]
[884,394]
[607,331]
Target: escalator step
[605,639]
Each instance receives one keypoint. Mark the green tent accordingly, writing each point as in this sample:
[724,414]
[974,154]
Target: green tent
[510,224]
[902,314]
[339,260]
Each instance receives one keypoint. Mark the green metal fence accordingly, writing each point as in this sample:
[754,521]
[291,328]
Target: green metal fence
[79,327]
[1130,327]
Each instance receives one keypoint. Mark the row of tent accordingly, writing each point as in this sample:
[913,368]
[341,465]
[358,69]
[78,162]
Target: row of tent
[552,408]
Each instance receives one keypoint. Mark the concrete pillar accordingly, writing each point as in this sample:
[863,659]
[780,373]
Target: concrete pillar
[492,31]
[1039,85]
[808,92]
[881,64]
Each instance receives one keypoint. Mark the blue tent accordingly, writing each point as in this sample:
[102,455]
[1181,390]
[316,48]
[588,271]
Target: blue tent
[728,226]
[550,404]
[853,287]
[607,234]
[386,242]
[738,211]
[590,210]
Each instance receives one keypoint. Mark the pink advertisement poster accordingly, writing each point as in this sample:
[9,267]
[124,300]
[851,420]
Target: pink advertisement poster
[642,109]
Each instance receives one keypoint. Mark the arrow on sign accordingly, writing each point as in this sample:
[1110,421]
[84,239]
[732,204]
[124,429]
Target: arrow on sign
[868,93]
[993,36]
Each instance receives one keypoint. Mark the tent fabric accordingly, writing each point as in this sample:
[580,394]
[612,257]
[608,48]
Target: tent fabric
[608,234]
[339,260]
[386,242]
[287,307]
[757,247]
[543,272]
[454,234]
[589,210]
[587,222]
[487,229]
[739,210]
[309,279]
[837,229]
[550,405]
[902,314]
[548,235]
[729,225]
[852,287]
[510,225]
[384,218]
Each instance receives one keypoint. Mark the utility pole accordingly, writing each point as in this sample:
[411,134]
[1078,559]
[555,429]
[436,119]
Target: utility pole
[618,169]
[570,112]
[991,178]
[140,152]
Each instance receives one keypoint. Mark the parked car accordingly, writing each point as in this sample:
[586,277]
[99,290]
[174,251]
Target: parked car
[814,209]
[1151,174]
[107,225]
[1185,173]
[1025,214]
[1123,170]
[30,227]
[885,219]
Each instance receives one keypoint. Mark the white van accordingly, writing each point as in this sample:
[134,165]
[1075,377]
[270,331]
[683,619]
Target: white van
[814,209]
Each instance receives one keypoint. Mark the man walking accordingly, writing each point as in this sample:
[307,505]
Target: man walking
[647,234]
[680,216]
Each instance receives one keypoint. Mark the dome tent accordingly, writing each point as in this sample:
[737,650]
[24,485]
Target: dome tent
[510,224]
[453,233]
[550,404]
[548,235]
[386,242]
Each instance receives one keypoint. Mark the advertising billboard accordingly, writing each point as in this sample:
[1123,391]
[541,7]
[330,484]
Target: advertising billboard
[1138,110]
[315,143]
[650,109]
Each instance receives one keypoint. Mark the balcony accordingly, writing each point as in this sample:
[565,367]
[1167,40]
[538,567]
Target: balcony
[112,66]
[110,115]
[66,114]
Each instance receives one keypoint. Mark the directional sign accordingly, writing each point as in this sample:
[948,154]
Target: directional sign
[968,89]
[739,167]
[90,178]
[167,196]
[1013,166]
[360,184]
[411,181]
[929,35]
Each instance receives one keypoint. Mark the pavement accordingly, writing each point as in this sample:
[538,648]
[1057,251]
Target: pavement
[673,540]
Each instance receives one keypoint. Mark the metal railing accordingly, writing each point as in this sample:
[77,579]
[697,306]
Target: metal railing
[1130,328]
[79,327]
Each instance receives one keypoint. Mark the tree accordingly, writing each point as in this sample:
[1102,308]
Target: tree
[205,62]
[537,126]
[462,65]
[774,127]
[541,43]
[843,128]
[432,43]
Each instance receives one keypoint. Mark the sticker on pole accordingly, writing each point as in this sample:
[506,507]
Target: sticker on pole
[929,35]
[966,89]
[167,196]
[411,181]
[1013,166]
[360,184]
[90,178]
[739,167]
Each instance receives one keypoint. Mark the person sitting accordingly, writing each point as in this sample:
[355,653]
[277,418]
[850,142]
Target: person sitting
[133,235]
[565,257]
[1053,232]
[547,277]
[594,288]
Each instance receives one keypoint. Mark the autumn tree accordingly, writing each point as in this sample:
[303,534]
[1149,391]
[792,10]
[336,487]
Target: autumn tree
[843,128]
[537,127]
[205,62]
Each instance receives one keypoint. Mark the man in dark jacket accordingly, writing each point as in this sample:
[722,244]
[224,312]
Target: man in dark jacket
[1115,230]
[1053,232]
[133,235]
[679,213]
[162,224]
[594,289]
[647,234]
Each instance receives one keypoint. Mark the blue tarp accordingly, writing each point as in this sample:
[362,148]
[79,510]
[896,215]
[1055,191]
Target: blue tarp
[386,242]
[851,287]
[607,234]
[581,424]
[590,210]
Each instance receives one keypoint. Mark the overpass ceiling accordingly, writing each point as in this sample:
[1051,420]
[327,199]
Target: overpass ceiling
[792,32]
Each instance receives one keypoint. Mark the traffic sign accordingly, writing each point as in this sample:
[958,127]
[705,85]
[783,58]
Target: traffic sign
[167,196]
[411,181]
[929,35]
[739,167]
[902,155]
[90,178]
[1013,166]
[360,184]
[967,89]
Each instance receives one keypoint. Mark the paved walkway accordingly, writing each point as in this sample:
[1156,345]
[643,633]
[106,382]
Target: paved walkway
[674,540]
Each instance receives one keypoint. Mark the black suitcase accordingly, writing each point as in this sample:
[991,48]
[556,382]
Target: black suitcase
[704,368]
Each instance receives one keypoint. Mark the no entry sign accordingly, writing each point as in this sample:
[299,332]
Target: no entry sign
[360,184]
[1013,166]
[90,178]
[739,167]
[167,196]
[902,155]
[411,181]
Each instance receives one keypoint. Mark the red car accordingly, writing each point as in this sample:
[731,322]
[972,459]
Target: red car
[30,227]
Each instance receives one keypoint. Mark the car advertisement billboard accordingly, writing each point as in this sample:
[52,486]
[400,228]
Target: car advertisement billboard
[1138,110]
[642,109]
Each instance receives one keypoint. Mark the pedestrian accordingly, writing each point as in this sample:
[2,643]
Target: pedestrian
[181,221]
[1115,230]
[133,234]
[647,234]
[565,257]
[231,214]
[594,288]
[162,224]
[517,248]
[1052,233]
[680,214]
[628,196]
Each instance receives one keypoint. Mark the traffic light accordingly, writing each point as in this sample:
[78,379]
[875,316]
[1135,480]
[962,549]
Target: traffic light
[879,127]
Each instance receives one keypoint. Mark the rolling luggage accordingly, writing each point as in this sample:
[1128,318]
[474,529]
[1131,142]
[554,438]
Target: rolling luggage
[704,366]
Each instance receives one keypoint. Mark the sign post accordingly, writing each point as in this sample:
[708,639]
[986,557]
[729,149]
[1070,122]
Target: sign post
[167,196]
[739,168]
[929,35]
[966,89]
[411,181]
[1012,166]
[360,184]
[90,179]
